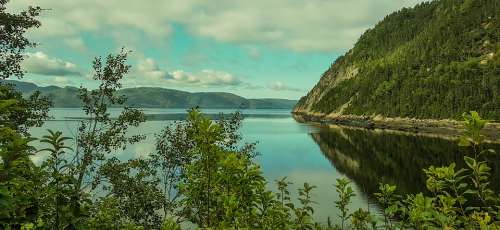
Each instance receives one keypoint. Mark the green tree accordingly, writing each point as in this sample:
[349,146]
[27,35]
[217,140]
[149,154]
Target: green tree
[18,197]
[56,183]
[69,178]
[136,190]
[345,192]
[13,43]
[221,184]
[172,155]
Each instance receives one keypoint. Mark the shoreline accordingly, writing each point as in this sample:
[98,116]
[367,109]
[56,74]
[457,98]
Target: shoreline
[429,127]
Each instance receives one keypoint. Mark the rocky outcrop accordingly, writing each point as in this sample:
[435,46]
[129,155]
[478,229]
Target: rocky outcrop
[434,61]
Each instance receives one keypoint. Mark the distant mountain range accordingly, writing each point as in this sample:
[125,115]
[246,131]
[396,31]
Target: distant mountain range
[152,97]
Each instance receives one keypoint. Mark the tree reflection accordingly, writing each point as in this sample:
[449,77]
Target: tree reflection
[370,157]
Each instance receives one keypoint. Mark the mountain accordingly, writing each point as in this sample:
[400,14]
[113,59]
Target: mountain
[152,97]
[434,61]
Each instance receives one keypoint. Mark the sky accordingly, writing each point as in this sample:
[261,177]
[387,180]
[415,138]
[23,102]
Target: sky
[256,49]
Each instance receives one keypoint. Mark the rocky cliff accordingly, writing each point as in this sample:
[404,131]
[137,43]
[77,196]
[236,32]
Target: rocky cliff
[434,61]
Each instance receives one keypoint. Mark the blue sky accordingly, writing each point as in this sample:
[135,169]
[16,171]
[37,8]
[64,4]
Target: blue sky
[256,49]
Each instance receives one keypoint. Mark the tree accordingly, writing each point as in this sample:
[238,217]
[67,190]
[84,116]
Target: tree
[172,154]
[136,190]
[13,42]
[220,184]
[18,196]
[55,183]
[101,134]
[84,168]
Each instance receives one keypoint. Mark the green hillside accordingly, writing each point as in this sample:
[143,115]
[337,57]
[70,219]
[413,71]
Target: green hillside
[150,97]
[436,60]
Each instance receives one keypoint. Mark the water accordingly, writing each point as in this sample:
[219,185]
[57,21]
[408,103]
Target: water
[319,156]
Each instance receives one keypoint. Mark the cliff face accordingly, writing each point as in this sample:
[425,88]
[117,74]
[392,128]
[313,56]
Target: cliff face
[339,72]
[436,60]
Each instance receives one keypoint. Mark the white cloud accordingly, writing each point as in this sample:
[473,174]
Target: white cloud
[313,25]
[67,18]
[48,81]
[41,64]
[149,70]
[61,81]
[149,74]
[281,86]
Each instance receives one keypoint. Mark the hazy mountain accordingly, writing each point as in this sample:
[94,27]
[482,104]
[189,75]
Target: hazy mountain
[151,97]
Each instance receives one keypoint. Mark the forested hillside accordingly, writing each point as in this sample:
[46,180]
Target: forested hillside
[435,60]
[150,97]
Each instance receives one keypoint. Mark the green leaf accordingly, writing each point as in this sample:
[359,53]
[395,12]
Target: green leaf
[471,162]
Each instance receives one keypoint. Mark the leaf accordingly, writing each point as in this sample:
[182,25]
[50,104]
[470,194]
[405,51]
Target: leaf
[470,191]
[462,186]
[464,142]
[469,161]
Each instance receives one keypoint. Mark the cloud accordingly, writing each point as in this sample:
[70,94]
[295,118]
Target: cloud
[61,81]
[41,64]
[148,73]
[205,78]
[48,81]
[68,18]
[313,25]
[150,70]
[76,43]
[281,86]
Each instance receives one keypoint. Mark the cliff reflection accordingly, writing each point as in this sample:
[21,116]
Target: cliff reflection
[370,157]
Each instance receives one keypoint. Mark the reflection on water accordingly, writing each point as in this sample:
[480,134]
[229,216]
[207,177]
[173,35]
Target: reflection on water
[373,157]
[287,149]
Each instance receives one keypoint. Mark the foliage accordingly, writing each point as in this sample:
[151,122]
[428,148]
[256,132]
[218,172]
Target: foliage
[56,183]
[388,201]
[101,134]
[19,113]
[170,224]
[209,179]
[222,185]
[304,214]
[435,60]
[460,198]
[136,192]
[363,220]
[106,214]
[345,194]
[18,193]
[13,42]
[172,154]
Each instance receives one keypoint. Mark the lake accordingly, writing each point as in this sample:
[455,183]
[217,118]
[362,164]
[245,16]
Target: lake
[308,153]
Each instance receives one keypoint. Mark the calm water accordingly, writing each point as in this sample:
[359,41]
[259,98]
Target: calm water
[305,153]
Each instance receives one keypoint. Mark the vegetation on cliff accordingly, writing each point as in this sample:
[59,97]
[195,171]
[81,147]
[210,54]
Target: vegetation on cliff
[435,60]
